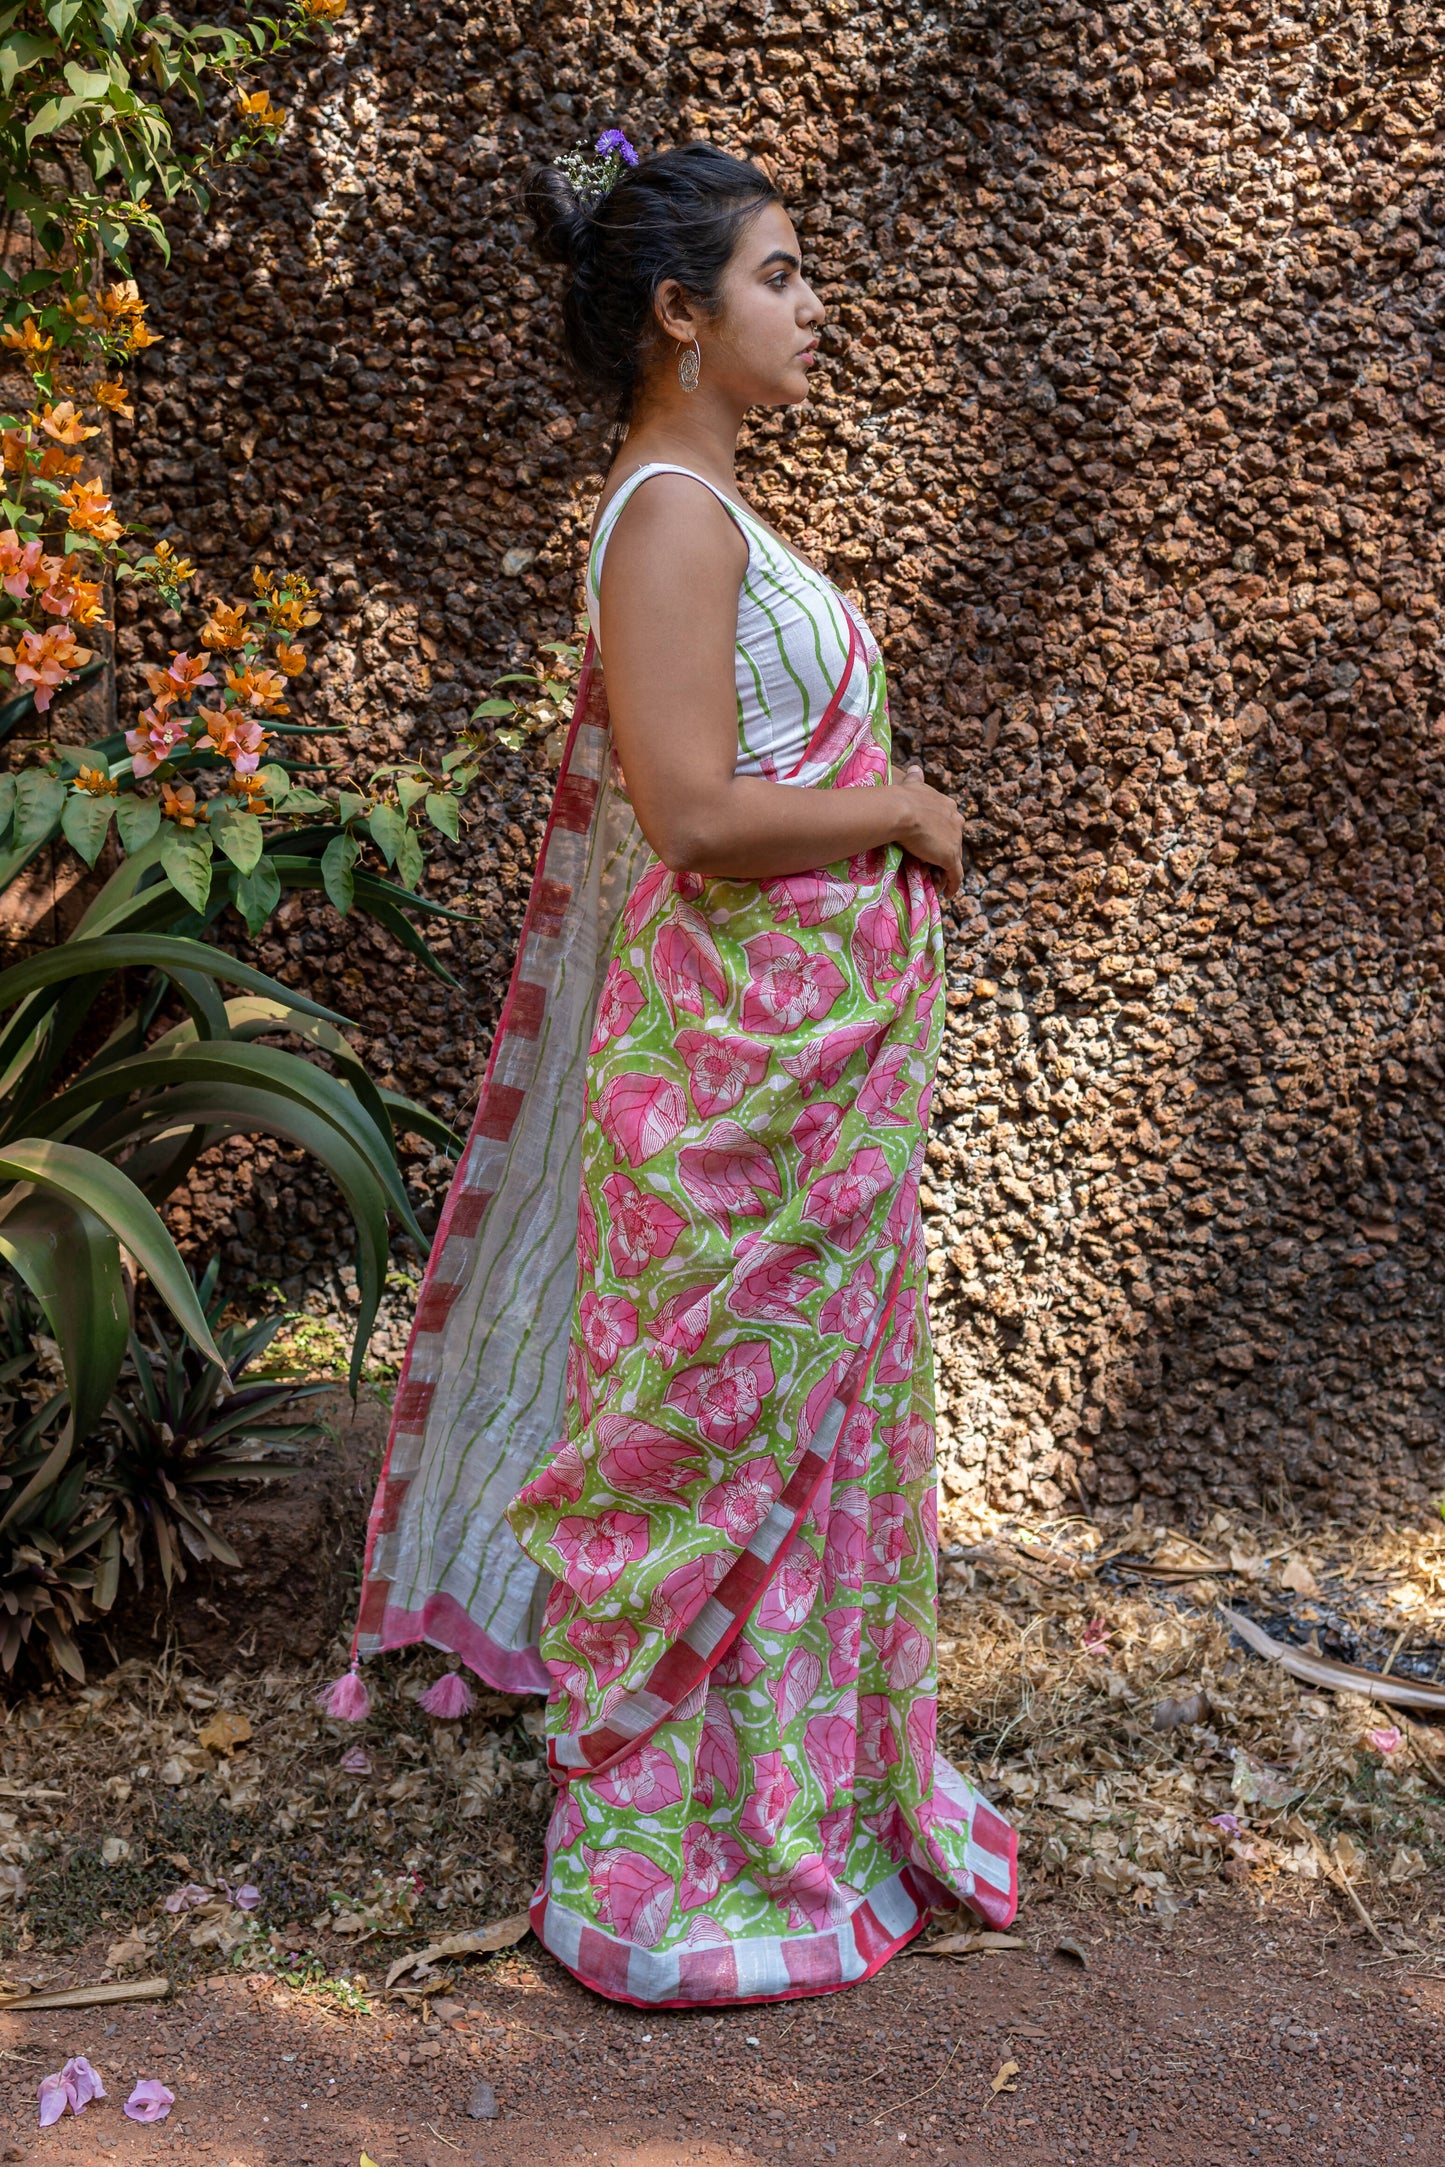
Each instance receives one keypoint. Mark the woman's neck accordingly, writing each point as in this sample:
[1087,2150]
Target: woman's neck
[677,428]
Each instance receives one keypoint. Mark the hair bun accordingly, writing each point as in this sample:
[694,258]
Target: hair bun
[562,219]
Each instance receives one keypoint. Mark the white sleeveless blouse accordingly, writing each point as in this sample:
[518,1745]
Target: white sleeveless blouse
[796,635]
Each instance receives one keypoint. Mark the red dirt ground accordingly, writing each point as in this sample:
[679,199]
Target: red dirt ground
[1241,2035]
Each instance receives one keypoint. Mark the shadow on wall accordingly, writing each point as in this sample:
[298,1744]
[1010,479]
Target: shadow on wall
[1129,448]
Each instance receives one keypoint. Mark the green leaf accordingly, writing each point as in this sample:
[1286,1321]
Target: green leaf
[39,803]
[388,826]
[70,1260]
[85,1181]
[186,860]
[494,707]
[411,788]
[84,823]
[409,861]
[137,820]
[7,804]
[20,51]
[348,806]
[144,951]
[277,781]
[86,82]
[337,861]
[444,813]
[257,893]
[241,836]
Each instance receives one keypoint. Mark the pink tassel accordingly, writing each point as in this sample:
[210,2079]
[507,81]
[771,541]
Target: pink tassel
[449,1698]
[348,1700]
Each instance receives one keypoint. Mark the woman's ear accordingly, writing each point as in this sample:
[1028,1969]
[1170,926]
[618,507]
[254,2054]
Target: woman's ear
[677,314]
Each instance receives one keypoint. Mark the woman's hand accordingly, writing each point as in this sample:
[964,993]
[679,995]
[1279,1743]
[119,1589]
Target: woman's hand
[930,826]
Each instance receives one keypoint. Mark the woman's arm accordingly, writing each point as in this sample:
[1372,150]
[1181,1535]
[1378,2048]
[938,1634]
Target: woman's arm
[670,579]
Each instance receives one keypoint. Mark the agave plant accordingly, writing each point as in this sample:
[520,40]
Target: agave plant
[59,1555]
[183,1429]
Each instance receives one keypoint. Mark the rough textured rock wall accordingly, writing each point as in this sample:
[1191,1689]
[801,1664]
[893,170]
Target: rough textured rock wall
[1130,446]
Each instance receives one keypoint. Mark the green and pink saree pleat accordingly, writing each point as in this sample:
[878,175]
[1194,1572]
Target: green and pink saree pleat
[675,1324]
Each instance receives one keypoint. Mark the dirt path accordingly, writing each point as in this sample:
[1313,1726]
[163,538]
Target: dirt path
[1238,2035]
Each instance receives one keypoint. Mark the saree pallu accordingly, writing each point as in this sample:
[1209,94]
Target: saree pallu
[716,1366]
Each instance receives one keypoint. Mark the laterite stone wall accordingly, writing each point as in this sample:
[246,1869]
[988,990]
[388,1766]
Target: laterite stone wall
[1130,444]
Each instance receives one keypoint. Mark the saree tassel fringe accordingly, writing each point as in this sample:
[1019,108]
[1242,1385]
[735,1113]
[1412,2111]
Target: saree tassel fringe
[347,1700]
[450,1698]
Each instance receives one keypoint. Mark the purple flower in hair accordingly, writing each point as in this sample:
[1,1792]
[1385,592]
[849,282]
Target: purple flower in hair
[612,143]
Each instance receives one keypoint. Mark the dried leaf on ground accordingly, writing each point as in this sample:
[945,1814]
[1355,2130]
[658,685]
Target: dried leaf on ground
[980,1944]
[1003,2078]
[484,1941]
[225,1731]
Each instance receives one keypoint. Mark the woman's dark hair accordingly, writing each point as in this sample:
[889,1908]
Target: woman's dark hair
[677,215]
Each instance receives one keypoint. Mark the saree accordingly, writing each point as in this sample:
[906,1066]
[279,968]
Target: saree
[663,1444]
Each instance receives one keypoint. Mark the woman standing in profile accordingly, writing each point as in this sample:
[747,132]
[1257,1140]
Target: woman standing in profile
[681,1275]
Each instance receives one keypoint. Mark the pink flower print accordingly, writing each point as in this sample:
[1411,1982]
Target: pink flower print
[571,1685]
[579,1384]
[897,1358]
[890,1826]
[711,1858]
[646,1782]
[566,1824]
[680,1594]
[844,1628]
[771,1793]
[634,1895]
[842,1203]
[776,1283]
[641,1115]
[638,1461]
[909,1446]
[607,1645]
[729,1174]
[741,1665]
[809,1894]
[809,898]
[849,1312]
[889,1540]
[905,1653]
[904,1224]
[855,1445]
[561,1481]
[863,768]
[921,1731]
[878,942]
[718,1768]
[798,1681]
[846,1541]
[877,1746]
[687,964]
[620,1003]
[725,1398]
[790,1594]
[830,1748]
[720,1069]
[681,1324]
[597,1552]
[828,1388]
[742,1501]
[647,899]
[559,1605]
[819,1064]
[608,1323]
[889,1089]
[787,985]
[836,1830]
[815,1133]
[587,1243]
[640,1227]
[928,1520]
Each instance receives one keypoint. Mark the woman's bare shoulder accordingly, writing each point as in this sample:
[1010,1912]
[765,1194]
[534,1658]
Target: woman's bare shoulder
[676,514]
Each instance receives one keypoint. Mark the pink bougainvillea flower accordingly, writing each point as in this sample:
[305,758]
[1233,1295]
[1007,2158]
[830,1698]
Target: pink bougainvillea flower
[608,1323]
[725,1398]
[687,963]
[149,747]
[729,1175]
[646,1782]
[184,675]
[1227,1822]
[1386,1739]
[189,1898]
[822,1060]
[815,1133]
[770,1794]
[356,1761]
[787,985]
[149,2102]
[634,1895]
[711,1857]
[620,1002]
[790,1594]
[19,562]
[74,2086]
[641,1462]
[742,1501]
[842,1203]
[680,1325]
[598,1552]
[808,898]
[640,1227]
[641,1115]
[720,1069]
[606,1643]
[776,1283]
[44,660]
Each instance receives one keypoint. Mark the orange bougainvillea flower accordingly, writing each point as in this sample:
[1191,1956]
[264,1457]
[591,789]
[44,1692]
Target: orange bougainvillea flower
[26,339]
[54,462]
[162,734]
[291,659]
[88,510]
[96,783]
[63,423]
[44,661]
[323,11]
[240,741]
[174,567]
[115,398]
[255,687]
[20,562]
[226,626]
[251,790]
[15,443]
[186,674]
[63,593]
[178,803]
[257,110]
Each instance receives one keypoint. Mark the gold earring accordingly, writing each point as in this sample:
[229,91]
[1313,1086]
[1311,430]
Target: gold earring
[689,366]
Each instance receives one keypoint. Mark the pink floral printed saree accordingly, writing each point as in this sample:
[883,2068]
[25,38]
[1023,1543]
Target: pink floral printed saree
[675,1324]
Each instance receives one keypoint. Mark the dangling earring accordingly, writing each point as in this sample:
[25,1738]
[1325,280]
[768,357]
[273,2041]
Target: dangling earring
[689,366]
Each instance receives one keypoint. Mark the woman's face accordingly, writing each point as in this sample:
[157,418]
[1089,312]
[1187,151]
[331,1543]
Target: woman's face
[758,348]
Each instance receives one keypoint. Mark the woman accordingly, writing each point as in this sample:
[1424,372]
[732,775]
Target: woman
[679,1284]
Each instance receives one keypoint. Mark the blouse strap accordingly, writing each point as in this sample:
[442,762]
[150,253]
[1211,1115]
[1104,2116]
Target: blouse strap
[623,494]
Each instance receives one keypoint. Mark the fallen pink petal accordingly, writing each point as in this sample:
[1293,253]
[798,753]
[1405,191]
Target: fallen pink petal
[1226,1821]
[356,1762]
[1386,1739]
[74,2085]
[246,1897]
[188,1898]
[149,2102]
